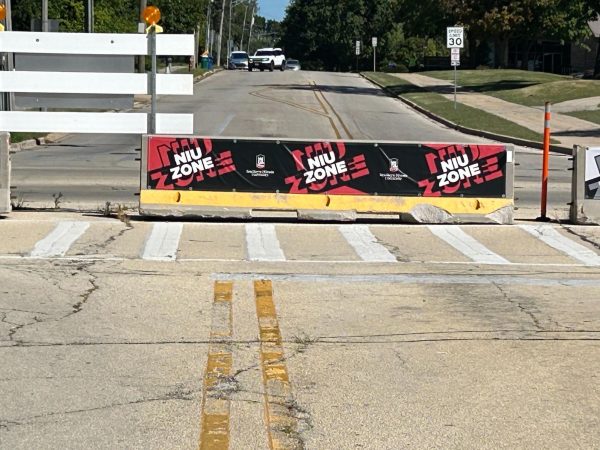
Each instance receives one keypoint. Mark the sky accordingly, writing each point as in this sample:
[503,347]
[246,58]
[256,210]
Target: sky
[272,9]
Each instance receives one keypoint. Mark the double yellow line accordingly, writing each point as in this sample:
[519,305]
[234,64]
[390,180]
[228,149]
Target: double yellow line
[281,424]
[326,108]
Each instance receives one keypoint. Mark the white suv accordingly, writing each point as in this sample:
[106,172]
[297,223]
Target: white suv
[267,58]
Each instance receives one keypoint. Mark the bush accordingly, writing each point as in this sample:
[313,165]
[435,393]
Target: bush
[392,67]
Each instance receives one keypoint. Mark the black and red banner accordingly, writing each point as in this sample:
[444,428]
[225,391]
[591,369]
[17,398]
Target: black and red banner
[334,167]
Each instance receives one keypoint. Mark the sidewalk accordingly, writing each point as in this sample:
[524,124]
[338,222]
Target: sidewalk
[567,130]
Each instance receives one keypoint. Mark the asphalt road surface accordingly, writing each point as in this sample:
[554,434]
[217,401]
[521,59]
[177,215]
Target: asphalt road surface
[118,332]
[90,170]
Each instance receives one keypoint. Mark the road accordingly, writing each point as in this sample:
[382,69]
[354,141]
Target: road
[89,170]
[118,332]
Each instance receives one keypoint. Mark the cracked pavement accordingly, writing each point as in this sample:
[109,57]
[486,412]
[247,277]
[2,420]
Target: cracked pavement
[111,353]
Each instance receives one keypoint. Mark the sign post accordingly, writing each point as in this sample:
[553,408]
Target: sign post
[357,53]
[151,16]
[455,40]
[374,43]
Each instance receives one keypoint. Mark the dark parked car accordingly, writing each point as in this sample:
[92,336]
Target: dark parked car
[238,60]
[292,64]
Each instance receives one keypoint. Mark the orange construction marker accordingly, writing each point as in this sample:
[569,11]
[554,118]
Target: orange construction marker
[546,158]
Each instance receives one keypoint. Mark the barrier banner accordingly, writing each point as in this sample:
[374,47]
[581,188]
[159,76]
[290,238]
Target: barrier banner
[326,167]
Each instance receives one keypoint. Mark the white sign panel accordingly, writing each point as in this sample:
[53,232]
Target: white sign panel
[455,37]
[374,42]
[592,173]
[455,57]
[455,63]
[357,48]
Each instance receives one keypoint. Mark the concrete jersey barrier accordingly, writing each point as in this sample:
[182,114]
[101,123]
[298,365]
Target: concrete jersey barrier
[327,180]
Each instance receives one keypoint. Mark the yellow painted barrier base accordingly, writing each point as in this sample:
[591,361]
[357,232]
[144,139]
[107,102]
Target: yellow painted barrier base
[366,204]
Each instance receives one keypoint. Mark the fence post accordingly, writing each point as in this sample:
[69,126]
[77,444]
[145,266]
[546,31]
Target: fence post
[5,172]
[576,214]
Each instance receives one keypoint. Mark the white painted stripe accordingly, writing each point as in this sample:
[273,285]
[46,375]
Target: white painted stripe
[262,243]
[550,236]
[94,83]
[467,245]
[365,244]
[94,43]
[163,242]
[88,122]
[225,124]
[515,280]
[58,242]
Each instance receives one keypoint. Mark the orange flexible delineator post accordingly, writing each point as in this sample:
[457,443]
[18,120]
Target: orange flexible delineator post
[546,157]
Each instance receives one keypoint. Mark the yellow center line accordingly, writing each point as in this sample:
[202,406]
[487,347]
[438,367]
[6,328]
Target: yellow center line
[214,433]
[346,130]
[282,425]
[260,94]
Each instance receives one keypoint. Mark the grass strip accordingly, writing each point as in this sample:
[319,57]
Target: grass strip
[20,137]
[590,116]
[463,115]
[521,86]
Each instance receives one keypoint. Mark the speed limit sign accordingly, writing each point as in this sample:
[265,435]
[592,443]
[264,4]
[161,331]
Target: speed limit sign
[455,37]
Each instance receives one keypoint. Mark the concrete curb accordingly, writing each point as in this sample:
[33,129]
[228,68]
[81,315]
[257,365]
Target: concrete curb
[207,74]
[473,131]
[33,143]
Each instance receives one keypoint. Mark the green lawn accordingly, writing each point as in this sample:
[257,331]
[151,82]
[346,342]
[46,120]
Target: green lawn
[591,116]
[20,137]
[521,86]
[462,115]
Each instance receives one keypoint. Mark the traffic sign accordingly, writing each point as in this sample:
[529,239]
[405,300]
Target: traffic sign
[357,48]
[455,37]
[374,42]
[455,55]
[455,63]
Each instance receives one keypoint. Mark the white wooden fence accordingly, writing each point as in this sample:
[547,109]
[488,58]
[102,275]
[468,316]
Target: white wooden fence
[93,83]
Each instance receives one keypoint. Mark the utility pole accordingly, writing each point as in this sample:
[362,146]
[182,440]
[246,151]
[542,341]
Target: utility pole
[208,12]
[244,27]
[221,34]
[229,33]
[251,25]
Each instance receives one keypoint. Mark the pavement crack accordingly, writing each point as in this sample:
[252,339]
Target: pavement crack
[520,306]
[581,236]
[176,395]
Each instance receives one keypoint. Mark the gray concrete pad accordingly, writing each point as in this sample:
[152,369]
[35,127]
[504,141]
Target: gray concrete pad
[415,243]
[19,238]
[518,246]
[316,243]
[205,241]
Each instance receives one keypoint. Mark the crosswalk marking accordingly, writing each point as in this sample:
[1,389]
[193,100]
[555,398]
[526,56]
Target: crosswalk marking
[58,242]
[466,244]
[365,244]
[163,242]
[554,239]
[262,243]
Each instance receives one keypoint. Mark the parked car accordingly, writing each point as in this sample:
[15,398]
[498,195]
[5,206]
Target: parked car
[238,60]
[267,58]
[292,64]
